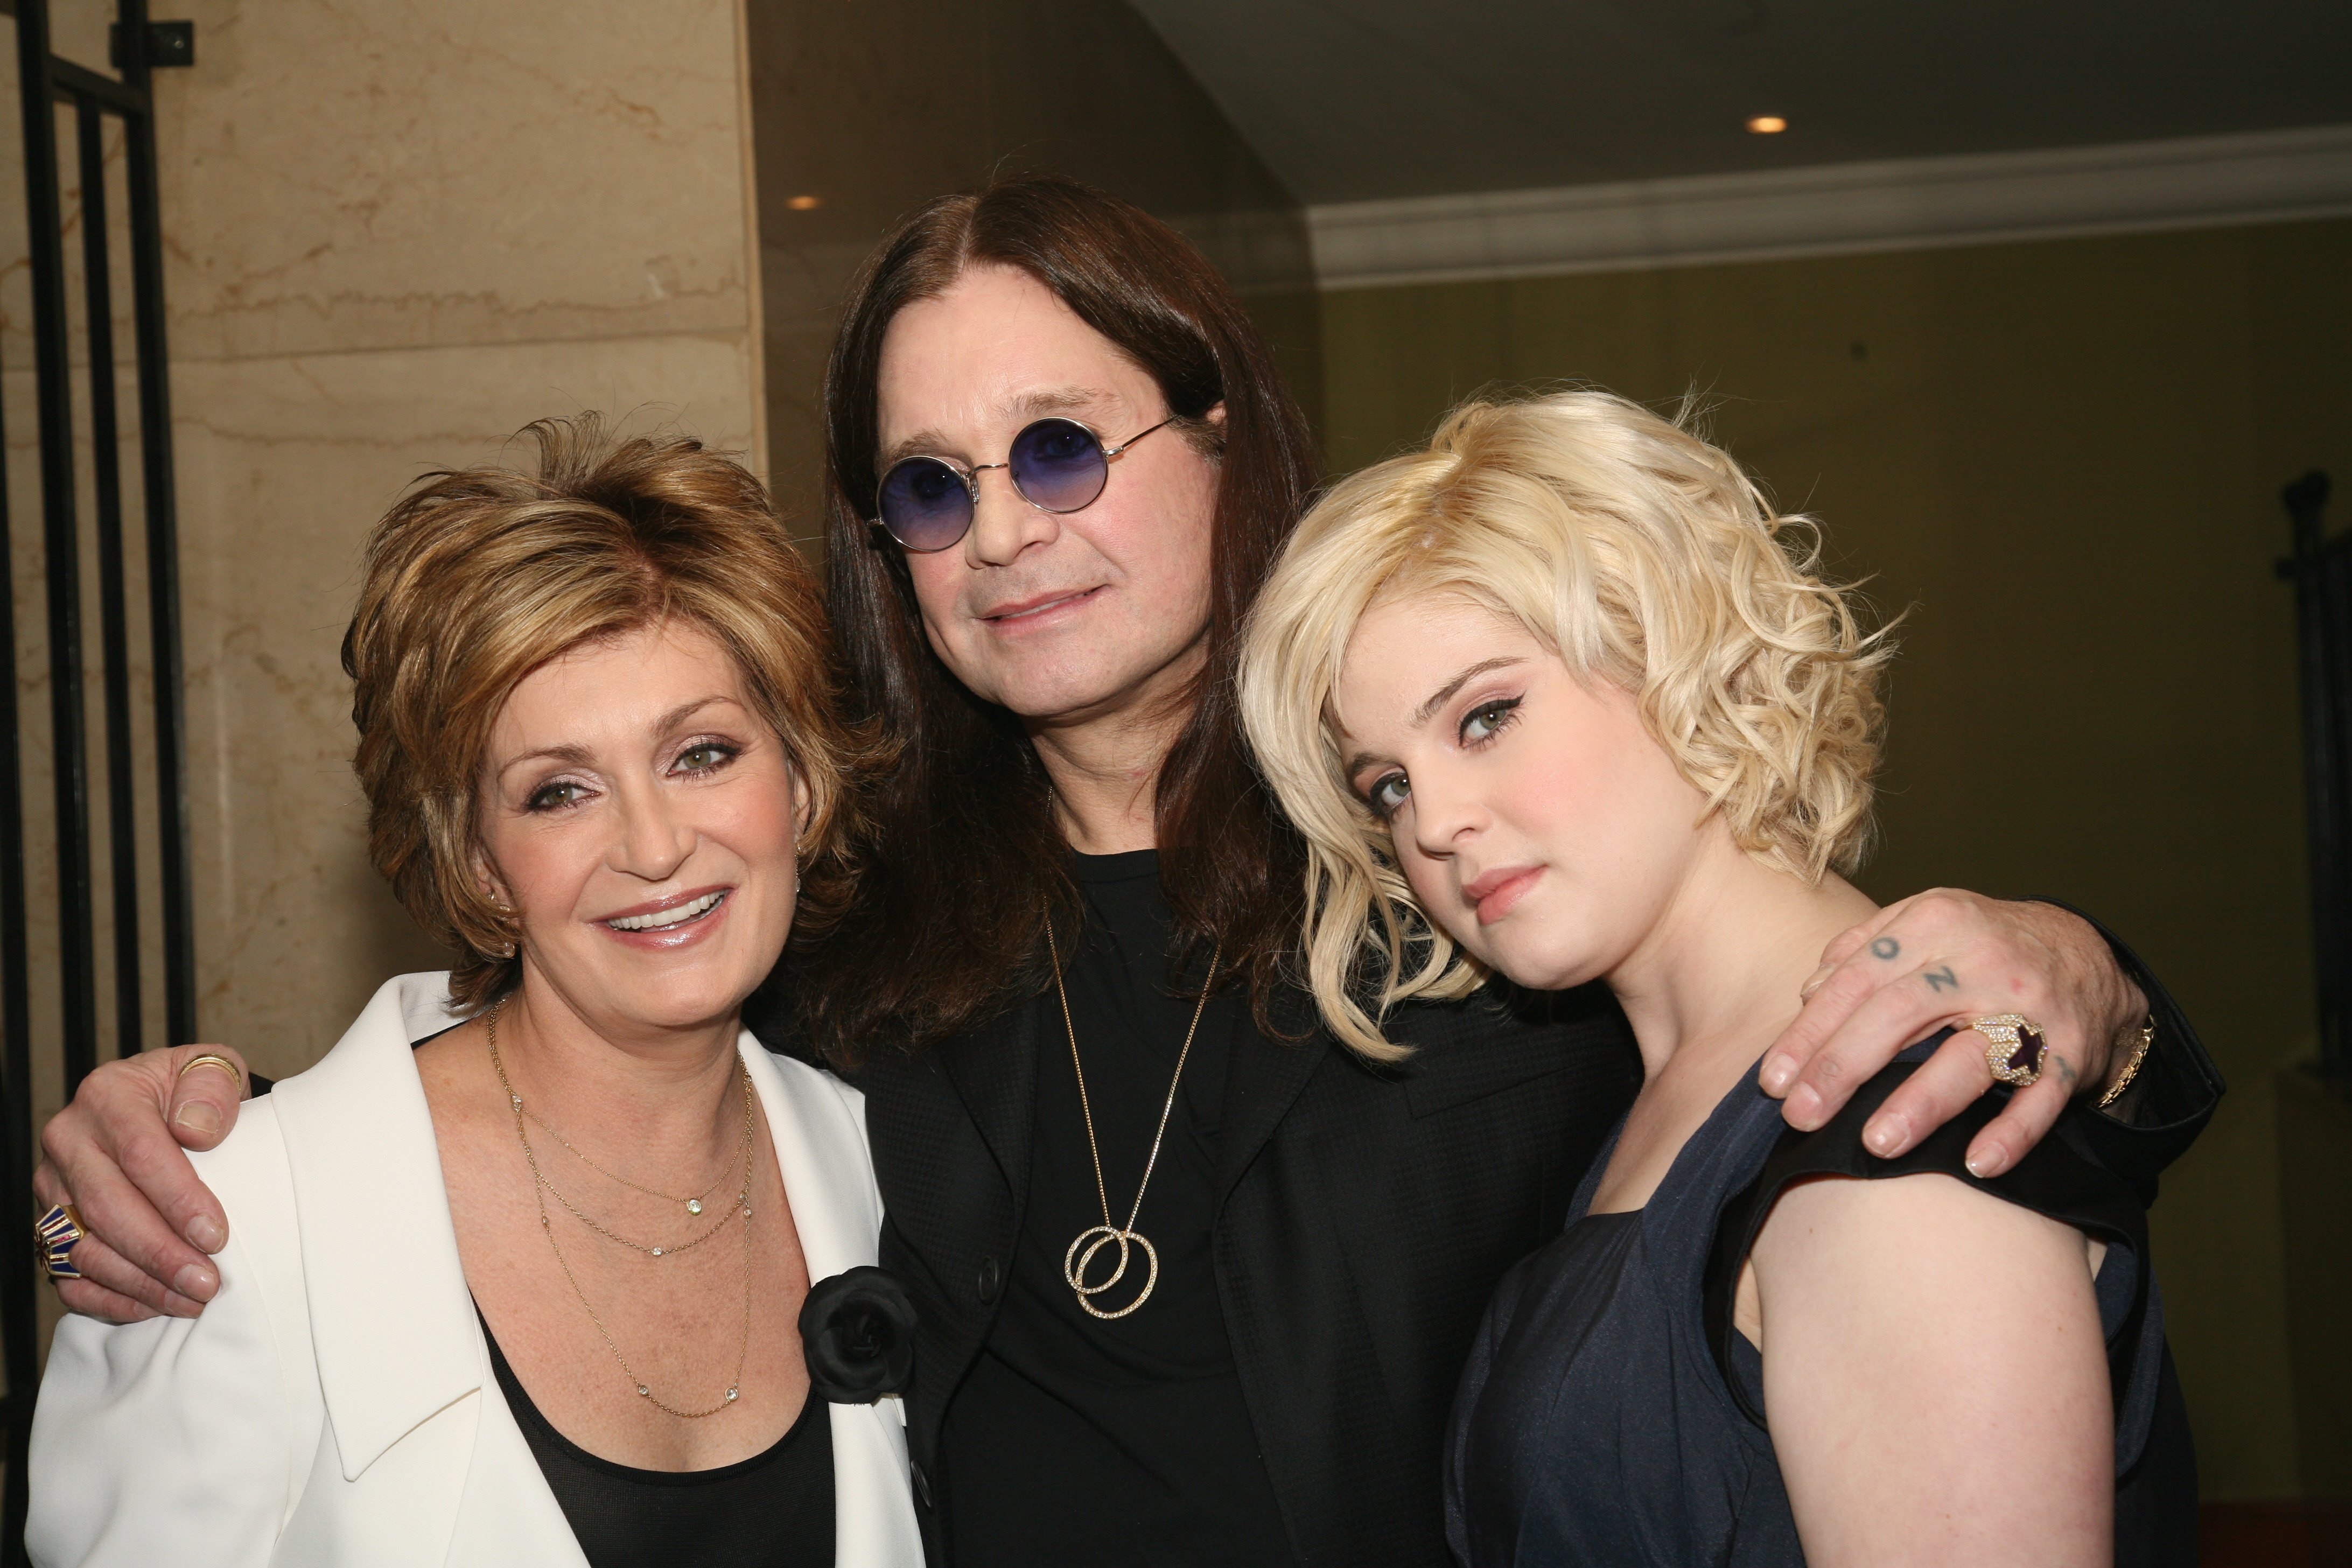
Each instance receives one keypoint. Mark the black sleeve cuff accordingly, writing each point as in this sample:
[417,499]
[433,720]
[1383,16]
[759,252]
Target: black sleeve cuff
[2173,1095]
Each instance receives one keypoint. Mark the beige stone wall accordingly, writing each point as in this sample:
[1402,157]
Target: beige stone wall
[396,233]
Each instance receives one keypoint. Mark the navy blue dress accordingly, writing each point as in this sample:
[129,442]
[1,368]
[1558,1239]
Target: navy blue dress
[1610,1413]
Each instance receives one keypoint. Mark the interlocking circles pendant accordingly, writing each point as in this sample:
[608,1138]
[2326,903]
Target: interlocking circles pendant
[1088,1246]
[1091,1241]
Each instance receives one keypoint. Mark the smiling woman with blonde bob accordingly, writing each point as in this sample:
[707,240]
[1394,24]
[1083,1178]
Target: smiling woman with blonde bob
[546,1261]
[1562,699]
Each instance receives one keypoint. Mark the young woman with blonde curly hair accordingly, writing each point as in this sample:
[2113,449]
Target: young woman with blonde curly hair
[1561,699]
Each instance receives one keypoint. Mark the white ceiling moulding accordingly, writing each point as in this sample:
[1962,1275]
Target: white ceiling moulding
[1898,205]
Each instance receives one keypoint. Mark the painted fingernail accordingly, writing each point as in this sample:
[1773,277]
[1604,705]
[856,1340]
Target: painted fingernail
[199,1116]
[1805,992]
[195,1281]
[1884,1141]
[206,1234]
[1777,1074]
[1804,1108]
[1985,1165]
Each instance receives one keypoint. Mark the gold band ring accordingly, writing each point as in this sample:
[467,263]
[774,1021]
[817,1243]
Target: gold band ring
[2016,1048]
[57,1232]
[211,1059]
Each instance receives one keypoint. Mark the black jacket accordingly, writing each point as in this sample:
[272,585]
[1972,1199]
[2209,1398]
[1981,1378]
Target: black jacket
[1365,1217]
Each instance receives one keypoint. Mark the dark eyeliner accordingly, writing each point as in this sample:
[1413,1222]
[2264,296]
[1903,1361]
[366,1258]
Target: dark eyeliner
[538,802]
[1501,708]
[727,752]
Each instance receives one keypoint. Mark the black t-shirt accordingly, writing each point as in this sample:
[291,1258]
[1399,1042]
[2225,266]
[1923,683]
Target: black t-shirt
[1123,1442]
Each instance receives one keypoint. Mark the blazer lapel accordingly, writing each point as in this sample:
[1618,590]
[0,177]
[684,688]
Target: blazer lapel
[430,1474]
[1262,1082]
[994,1071]
[815,1123]
[392,1320]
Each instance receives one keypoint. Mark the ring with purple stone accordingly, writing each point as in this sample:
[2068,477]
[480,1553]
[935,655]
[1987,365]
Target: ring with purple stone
[2015,1047]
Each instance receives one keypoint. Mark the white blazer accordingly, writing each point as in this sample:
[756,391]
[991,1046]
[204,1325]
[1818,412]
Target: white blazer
[334,1404]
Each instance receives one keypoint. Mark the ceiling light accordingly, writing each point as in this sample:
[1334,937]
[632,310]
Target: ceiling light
[1762,125]
[810,204]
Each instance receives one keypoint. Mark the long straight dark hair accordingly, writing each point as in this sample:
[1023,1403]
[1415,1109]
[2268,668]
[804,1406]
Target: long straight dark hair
[967,861]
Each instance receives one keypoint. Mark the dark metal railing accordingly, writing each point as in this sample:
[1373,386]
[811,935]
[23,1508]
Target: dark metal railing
[46,83]
[2321,571]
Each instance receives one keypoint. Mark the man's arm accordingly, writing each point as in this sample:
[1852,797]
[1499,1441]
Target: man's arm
[185,1442]
[118,1153]
[1946,956]
[2169,1100]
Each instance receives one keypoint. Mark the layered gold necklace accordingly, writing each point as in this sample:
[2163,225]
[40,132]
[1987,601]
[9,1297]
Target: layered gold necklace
[1092,1240]
[543,1188]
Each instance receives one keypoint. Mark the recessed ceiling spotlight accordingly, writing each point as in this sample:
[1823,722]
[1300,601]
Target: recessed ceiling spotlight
[1768,125]
[810,204]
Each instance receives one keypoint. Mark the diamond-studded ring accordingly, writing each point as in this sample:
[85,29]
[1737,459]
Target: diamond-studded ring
[2016,1046]
[58,1231]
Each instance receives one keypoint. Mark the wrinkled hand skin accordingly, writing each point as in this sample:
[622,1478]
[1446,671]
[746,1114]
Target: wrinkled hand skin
[117,1154]
[1946,957]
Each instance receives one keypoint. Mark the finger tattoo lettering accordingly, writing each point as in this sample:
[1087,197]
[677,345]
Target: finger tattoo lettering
[1885,947]
[1941,979]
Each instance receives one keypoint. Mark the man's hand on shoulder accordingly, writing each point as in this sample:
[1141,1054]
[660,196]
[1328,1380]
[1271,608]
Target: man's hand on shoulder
[118,1153]
[1946,957]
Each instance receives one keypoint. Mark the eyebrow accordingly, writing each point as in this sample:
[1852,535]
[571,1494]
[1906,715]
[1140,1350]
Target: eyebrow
[577,755]
[1034,405]
[1444,694]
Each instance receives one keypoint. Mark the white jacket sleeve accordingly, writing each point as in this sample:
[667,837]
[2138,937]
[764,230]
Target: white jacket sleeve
[186,1440]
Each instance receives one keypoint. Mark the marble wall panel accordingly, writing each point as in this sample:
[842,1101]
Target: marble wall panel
[396,233]
[400,172]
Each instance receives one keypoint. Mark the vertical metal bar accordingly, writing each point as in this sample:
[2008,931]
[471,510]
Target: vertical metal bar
[114,632]
[19,1347]
[2332,869]
[163,530]
[53,398]
[53,402]
[2321,648]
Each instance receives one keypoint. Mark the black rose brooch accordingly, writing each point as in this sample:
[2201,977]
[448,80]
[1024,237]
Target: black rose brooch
[857,1329]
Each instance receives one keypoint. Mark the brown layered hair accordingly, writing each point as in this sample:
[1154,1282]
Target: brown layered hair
[477,577]
[967,860]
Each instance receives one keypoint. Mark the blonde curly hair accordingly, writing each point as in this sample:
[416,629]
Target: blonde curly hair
[1641,555]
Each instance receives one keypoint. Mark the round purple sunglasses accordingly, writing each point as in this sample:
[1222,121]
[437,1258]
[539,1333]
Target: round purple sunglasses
[1058,466]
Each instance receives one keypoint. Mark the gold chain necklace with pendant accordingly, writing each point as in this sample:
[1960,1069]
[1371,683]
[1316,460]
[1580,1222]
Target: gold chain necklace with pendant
[1092,1240]
[547,1227]
[651,1250]
[693,1206]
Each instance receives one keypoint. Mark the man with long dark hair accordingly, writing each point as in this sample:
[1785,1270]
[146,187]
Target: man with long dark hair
[1195,1281]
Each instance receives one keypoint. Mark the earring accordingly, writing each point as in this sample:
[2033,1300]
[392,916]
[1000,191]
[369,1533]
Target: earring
[505,948]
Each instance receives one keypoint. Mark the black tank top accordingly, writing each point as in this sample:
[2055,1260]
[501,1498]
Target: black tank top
[774,1509]
[1611,1413]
